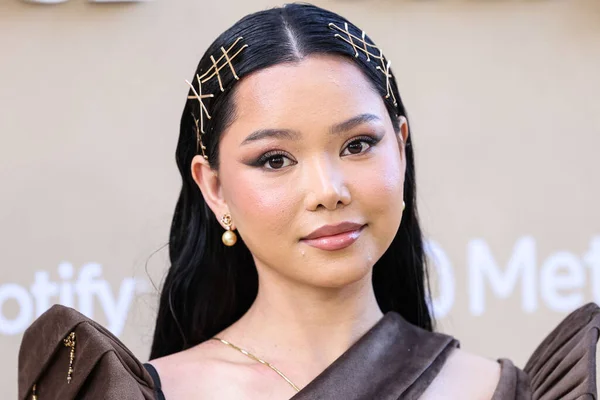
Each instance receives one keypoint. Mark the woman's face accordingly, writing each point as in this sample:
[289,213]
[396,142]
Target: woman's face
[312,144]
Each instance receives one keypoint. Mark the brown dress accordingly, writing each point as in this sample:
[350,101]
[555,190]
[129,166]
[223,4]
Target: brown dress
[405,359]
[397,360]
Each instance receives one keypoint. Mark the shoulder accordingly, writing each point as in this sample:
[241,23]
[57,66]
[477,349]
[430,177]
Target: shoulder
[211,370]
[465,376]
[192,373]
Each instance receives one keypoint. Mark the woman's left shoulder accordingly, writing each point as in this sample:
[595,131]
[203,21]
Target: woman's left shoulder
[465,375]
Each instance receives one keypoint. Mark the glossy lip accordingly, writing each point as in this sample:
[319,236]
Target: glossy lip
[334,237]
[330,230]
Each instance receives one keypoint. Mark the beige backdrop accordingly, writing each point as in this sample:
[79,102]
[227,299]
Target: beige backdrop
[503,97]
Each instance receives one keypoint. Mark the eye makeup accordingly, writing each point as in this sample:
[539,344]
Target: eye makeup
[272,155]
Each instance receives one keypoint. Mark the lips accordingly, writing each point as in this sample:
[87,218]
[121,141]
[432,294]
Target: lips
[334,237]
[331,230]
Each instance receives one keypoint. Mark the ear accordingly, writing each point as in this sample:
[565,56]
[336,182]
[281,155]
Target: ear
[403,129]
[209,184]
[402,135]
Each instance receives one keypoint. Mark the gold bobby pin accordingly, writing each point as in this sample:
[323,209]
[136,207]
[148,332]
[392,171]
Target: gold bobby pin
[199,143]
[209,74]
[366,48]
[199,96]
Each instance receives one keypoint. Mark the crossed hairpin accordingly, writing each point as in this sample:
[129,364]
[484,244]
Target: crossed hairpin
[208,75]
[361,44]
[365,47]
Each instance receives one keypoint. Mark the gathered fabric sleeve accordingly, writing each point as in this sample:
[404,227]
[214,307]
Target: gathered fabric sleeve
[562,367]
[564,364]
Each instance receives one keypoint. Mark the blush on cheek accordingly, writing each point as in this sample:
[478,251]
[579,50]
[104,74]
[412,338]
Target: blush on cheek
[266,218]
[385,175]
[385,192]
[381,188]
[260,209]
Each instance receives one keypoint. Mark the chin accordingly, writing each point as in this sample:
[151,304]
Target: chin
[340,274]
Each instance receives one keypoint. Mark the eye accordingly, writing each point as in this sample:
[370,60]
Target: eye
[274,160]
[277,159]
[360,145]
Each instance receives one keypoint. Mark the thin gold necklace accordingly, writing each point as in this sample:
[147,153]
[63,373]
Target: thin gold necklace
[252,356]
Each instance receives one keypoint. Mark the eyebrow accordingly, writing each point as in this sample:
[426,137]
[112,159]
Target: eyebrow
[289,134]
[353,123]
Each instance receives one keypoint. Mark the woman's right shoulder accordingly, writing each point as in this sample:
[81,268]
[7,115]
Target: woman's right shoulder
[193,373]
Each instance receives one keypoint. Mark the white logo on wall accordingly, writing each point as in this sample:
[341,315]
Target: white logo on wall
[35,300]
[558,281]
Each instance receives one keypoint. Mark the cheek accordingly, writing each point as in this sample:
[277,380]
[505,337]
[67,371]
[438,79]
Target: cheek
[381,187]
[259,209]
[380,196]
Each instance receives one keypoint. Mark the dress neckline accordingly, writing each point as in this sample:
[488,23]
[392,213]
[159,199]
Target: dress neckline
[386,361]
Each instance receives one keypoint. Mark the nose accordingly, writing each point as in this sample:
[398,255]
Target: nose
[326,185]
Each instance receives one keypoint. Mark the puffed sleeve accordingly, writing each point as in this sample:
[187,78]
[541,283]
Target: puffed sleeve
[564,364]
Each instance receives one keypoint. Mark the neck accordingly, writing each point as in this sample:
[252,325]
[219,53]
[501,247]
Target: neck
[302,328]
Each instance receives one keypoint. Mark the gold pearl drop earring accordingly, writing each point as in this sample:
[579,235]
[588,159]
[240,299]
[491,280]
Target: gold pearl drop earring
[229,237]
[403,205]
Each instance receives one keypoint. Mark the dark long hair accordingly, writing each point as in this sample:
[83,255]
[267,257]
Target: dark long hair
[209,286]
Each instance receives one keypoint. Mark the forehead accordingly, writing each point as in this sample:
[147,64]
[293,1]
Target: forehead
[318,90]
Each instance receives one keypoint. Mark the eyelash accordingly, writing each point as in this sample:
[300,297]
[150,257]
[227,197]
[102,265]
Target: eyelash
[262,160]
